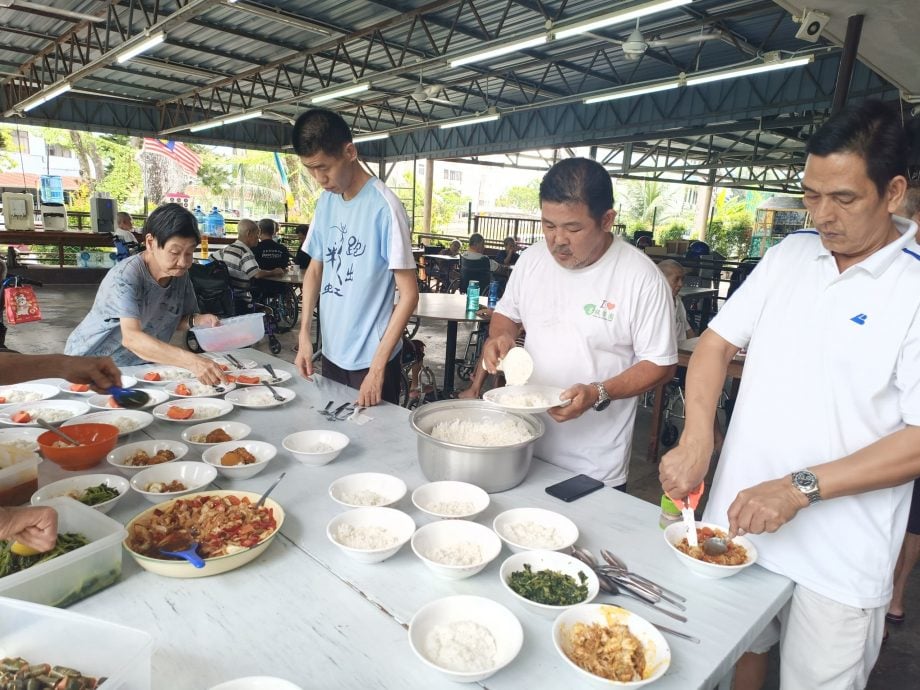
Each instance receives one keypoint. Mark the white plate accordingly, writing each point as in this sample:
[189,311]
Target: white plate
[80,483]
[526,398]
[257,683]
[237,430]
[157,396]
[126,382]
[198,389]
[28,433]
[42,390]
[166,373]
[74,408]
[117,418]
[205,408]
[259,398]
[282,375]
[221,358]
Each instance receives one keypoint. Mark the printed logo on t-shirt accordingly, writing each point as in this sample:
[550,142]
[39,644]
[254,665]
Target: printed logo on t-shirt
[604,310]
[341,268]
[860,319]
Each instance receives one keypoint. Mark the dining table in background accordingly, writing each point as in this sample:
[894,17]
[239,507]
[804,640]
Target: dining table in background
[706,297]
[305,611]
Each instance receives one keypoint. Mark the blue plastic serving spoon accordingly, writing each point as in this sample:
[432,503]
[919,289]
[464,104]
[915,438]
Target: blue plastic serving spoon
[129,398]
[190,554]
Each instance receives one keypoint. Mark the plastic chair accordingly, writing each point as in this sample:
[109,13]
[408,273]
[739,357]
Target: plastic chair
[475,269]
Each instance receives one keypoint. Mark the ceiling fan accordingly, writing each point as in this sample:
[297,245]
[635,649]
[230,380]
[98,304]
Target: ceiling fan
[430,93]
[635,45]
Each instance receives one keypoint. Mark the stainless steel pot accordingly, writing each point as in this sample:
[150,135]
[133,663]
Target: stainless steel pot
[493,468]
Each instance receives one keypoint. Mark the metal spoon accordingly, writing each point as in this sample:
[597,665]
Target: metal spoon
[271,370]
[190,553]
[234,361]
[129,398]
[277,396]
[261,501]
[715,546]
[54,430]
[620,564]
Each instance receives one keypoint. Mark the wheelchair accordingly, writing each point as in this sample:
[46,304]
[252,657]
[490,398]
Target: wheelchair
[281,298]
[211,283]
[417,383]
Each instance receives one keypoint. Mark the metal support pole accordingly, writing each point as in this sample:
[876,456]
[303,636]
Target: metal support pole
[847,62]
[429,192]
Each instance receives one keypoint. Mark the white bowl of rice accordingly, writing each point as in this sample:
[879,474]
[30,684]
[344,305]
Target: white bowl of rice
[455,549]
[533,529]
[370,535]
[466,638]
[315,447]
[451,500]
[367,489]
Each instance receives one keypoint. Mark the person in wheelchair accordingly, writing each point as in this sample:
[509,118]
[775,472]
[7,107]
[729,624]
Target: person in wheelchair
[241,262]
[475,265]
[144,300]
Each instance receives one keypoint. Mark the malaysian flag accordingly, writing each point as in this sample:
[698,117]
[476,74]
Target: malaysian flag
[176,151]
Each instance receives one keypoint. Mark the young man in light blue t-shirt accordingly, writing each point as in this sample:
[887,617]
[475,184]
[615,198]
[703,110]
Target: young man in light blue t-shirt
[361,252]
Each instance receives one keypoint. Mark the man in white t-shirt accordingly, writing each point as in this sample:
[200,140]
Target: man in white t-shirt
[825,434]
[360,254]
[598,319]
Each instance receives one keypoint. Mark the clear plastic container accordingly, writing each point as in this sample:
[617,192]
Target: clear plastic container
[41,634]
[18,482]
[235,332]
[75,575]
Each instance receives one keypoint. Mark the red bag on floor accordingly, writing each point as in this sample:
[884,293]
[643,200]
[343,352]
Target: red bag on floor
[21,305]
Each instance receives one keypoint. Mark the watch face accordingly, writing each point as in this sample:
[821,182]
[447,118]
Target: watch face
[601,406]
[805,480]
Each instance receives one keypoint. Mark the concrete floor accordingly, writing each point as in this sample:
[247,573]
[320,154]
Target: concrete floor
[64,306]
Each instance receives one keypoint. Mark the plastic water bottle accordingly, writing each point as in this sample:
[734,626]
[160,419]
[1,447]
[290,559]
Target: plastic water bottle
[472,296]
[493,294]
[202,220]
[215,223]
[670,513]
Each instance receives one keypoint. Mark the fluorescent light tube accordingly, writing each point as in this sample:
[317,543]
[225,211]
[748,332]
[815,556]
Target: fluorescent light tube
[241,117]
[619,17]
[746,71]
[470,121]
[147,44]
[40,98]
[488,54]
[628,93]
[370,137]
[340,93]
[205,125]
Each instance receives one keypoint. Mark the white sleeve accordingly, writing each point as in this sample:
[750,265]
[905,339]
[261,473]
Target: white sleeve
[400,244]
[653,324]
[907,374]
[737,318]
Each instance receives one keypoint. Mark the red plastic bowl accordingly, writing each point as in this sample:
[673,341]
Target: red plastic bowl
[96,441]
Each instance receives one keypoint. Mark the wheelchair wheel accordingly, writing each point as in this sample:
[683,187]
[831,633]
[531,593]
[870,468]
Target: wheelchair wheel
[669,434]
[403,388]
[274,344]
[287,310]
[464,371]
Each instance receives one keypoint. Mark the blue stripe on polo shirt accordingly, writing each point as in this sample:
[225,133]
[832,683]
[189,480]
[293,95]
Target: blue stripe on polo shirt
[913,254]
[804,232]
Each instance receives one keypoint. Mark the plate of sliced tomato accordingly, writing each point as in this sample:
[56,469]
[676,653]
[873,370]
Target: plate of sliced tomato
[192,388]
[192,410]
[161,375]
[256,377]
[106,402]
[84,389]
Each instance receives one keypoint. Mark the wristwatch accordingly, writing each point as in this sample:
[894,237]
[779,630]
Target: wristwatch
[603,400]
[191,320]
[807,483]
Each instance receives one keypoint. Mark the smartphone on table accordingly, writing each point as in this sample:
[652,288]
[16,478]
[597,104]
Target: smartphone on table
[574,487]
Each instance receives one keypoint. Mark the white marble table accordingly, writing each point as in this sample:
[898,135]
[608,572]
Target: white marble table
[306,612]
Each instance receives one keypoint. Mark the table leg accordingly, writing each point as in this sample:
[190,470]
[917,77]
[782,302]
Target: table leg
[450,357]
[655,432]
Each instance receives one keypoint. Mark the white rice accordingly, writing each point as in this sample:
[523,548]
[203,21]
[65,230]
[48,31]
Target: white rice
[318,448]
[462,553]
[462,646]
[50,415]
[12,395]
[16,451]
[364,497]
[482,434]
[451,507]
[526,400]
[259,399]
[533,535]
[365,537]
[124,424]
[205,412]
[168,374]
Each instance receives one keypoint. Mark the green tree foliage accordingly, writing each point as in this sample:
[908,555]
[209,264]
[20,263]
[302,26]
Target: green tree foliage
[446,204]
[730,231]
[646,200]
[674,231]
[525,198]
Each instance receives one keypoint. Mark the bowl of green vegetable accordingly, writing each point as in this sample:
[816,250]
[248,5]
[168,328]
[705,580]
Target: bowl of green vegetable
[101,491]
[548,582]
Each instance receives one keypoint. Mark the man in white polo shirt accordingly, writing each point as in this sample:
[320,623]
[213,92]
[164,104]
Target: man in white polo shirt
[826,430]
[598,318]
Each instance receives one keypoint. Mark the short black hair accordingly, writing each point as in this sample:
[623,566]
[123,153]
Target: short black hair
[476,239]
[267,227]
[320,130]
[302,229]
[870,130]
[171,220]
[579,180]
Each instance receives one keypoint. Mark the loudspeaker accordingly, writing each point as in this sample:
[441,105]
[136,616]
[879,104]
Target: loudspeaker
[813,24]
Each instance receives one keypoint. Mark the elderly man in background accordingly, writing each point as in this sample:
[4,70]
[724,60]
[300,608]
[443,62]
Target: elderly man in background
[143,301]
[831,322]
[242,263]
[674,274]
[270,253]
[598,319]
